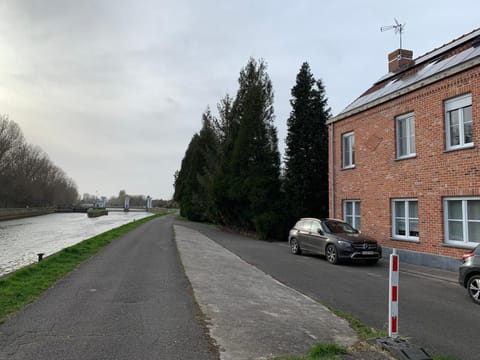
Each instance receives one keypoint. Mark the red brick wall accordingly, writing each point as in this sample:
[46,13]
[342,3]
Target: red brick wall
[433,174]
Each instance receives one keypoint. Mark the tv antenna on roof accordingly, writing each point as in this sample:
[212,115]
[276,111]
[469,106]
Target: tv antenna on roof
[397,27]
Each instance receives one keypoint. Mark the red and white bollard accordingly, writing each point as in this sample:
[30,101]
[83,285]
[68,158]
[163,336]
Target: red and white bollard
[393,296]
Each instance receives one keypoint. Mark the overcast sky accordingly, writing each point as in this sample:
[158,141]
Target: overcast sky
[113,90]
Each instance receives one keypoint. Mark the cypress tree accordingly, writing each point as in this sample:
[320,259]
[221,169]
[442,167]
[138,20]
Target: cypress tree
[184,184]
[210,155]
[193,181]
[306,154]
[248,191]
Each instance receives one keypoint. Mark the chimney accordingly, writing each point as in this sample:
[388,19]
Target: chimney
[399,59]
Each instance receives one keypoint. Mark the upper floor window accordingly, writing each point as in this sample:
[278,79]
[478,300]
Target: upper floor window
[405,134]
[462,220]
[405,219]
[458,122]
[348,154]
[351,213]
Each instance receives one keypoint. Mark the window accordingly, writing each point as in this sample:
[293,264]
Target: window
[462,220]
[458,122]
[351,213]
[405,125]
[405,219]
[315,227]
[348,155]
[303,225]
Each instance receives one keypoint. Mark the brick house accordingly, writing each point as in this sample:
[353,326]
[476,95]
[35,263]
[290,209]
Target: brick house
[404,162]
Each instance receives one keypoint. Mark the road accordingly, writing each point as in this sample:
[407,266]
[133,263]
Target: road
[130,301]
[434,313]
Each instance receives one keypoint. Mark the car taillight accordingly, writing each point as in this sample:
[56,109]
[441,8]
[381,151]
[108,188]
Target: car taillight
[466,256]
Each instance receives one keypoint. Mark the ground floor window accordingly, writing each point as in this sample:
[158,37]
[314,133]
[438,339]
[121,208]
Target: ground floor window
[351,213]
[462,220]
[405,219]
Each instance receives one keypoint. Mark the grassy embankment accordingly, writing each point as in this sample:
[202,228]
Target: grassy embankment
[25,285]
[19,213]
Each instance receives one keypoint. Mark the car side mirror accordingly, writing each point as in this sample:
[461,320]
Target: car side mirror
[320,231]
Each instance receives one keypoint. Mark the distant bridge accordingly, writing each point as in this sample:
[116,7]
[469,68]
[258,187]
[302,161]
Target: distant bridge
[126,206]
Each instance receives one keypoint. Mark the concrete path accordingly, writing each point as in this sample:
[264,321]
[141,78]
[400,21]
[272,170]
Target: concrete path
[250,314]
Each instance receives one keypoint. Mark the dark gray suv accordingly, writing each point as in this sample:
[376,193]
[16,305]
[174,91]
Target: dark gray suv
[469,274]
[335,239]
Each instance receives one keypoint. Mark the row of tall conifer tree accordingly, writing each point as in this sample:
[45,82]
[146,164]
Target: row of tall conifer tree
[232,173]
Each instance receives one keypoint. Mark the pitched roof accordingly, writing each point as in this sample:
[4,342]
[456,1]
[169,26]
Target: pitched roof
[451,58]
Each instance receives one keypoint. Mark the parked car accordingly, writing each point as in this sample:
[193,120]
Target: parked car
[469,274]
[335,239]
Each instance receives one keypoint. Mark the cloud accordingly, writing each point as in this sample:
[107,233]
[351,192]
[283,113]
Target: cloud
[114,90]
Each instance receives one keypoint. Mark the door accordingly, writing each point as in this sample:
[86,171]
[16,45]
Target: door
[304,235]
[316,238]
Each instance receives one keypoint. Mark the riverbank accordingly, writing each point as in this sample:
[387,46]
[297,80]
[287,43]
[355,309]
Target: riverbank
[20,213]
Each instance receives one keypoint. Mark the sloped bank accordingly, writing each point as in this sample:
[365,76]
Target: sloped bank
[19,213]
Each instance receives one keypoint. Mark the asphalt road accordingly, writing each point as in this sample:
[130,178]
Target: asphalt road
[433,313]
[130,301]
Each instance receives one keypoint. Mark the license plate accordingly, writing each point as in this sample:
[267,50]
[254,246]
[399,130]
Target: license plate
[367,253]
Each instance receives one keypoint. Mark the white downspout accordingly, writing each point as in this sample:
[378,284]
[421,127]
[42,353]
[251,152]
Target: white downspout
[332,174]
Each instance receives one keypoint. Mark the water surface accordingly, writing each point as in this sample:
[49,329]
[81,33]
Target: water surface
[21,240]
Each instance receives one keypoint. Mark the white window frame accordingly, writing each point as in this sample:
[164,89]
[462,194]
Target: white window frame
[348,140]
[459,102]
[356,217]
[406,218]
[464,220]
[409,120]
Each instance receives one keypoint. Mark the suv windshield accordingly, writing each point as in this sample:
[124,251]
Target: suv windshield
[339,227]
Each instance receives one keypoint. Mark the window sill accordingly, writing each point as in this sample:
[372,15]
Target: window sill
[470,146]
[406,157]
[417,241]
[460,246]
[348,167]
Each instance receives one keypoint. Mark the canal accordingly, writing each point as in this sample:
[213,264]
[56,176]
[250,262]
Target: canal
[21,240]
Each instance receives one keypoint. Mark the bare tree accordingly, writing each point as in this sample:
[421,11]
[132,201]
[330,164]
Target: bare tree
[27,175]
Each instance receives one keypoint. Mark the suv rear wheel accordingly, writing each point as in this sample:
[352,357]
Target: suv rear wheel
[473,287]
[295,246]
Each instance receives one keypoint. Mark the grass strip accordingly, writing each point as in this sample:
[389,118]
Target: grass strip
[25,285]
[364,332]
[319,352]
[331,351]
